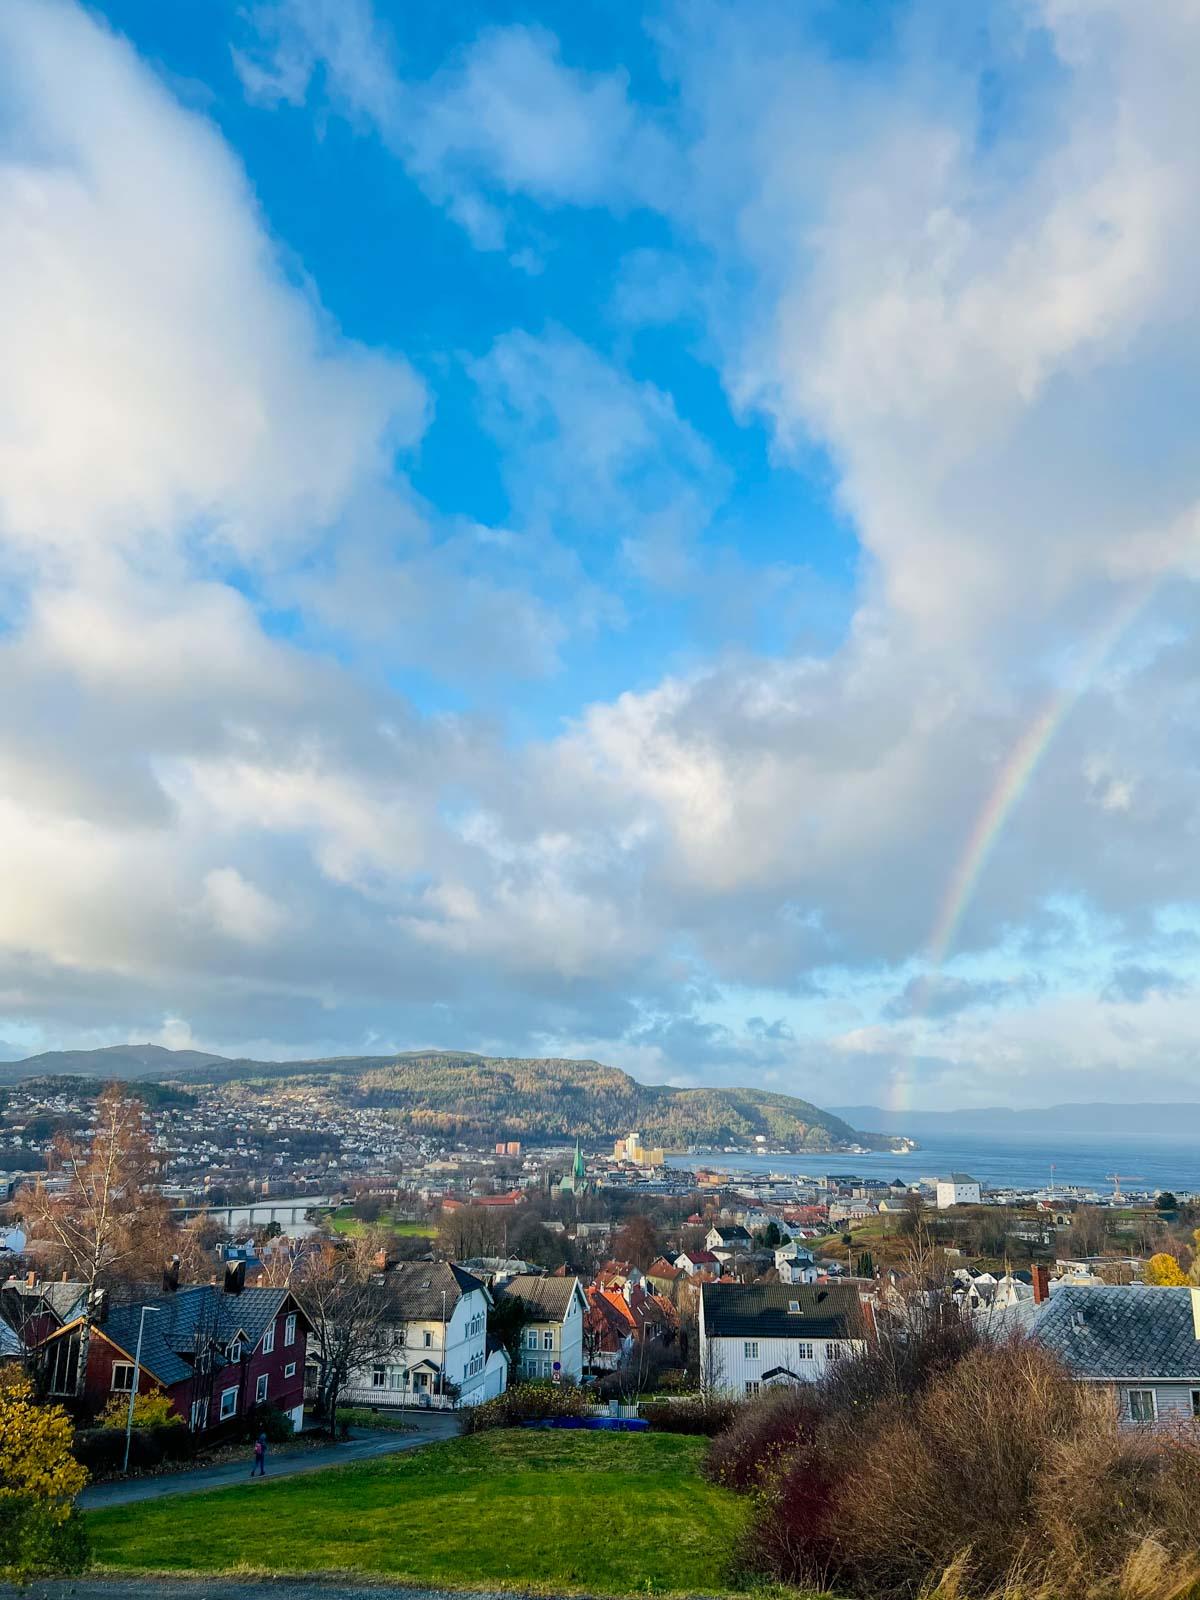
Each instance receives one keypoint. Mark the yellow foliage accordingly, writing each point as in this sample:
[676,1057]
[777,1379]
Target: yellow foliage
[1164,1271]
[149,1411]
[35,1451]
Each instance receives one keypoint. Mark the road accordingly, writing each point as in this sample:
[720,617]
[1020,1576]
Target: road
[363,1445]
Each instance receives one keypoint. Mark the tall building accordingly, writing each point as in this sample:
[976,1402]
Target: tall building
[634,1151]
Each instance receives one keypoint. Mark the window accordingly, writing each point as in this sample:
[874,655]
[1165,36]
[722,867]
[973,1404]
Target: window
[122,1376]
[1142,1406]
[428,1339]
[200,1415]
[794,1305]
[228,1404]
[269,1340]
[835,1351]
[378,1377]
[260,1390]
[290,1370]
[396,1376]
[1196,1403]
[805,1350]
[751,1386]
[531,1339]
[750,1350]
[235,1350]
[548,1339]
[289,1329]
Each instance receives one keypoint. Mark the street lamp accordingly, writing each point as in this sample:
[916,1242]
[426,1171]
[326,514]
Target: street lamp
[137,1371]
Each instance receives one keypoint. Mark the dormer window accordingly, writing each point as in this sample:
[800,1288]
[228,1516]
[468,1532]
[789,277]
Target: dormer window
[235,1350]
[794,1307]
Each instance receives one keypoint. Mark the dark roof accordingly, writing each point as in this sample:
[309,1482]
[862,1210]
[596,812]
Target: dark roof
[1104,1331]
[959,1177]
[10,1342]
[415,1289]
[545,1299]
[761,1311]
[184,1322]
[735,1231]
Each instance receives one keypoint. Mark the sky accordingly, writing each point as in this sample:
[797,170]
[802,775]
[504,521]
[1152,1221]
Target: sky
[667,534]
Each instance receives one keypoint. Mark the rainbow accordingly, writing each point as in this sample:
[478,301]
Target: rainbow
[1012,783]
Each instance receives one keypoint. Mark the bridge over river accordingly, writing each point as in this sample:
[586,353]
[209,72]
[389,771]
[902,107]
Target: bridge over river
[292,1215]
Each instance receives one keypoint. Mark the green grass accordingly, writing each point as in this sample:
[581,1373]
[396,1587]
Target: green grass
[611,1514]
[344,1221]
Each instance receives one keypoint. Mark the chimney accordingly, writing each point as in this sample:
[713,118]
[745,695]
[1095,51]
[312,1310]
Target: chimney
[64,1275]
[1196,1312]
[30,1279]
[1041,1282]
[170,1278]
[235,1277]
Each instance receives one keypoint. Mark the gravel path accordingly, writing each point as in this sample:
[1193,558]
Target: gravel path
[363,1445]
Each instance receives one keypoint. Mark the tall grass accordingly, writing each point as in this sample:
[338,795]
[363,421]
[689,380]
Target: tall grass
[964,1472]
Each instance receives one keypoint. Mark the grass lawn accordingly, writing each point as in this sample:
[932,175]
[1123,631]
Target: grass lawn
[344,1221]
[606,1513]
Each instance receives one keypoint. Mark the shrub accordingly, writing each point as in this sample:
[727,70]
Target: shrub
[705,1417]
[276,1424]
[149,1411]
[991,1475]
[762,1431]
[525,1402]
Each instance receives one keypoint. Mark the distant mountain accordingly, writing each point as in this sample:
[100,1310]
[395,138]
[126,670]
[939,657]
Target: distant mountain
[111,1061]
[469,1096]
[1093,1116]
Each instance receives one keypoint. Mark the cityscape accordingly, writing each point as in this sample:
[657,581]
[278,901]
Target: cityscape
[599,707]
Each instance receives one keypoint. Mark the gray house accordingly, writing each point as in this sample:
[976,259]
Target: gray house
[1142,1342]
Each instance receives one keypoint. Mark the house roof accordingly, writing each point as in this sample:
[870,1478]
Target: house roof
[1120,1332]
[544,1299]
[10,1342]
[959,1177]
[761,1311]
[662,1268]
[185,1322]
[415,1289]
[735,1232]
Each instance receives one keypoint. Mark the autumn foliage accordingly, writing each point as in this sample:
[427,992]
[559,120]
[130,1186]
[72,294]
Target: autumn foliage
[40,1531]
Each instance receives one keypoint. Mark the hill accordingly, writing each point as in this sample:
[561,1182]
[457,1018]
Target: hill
[472,1097]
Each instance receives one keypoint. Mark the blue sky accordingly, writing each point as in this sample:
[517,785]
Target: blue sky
[546,530]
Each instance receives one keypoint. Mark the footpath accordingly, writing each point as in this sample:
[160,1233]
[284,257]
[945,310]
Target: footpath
[364,1444]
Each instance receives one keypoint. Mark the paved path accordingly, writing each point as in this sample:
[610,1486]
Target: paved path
[217,1588]
[363,1445]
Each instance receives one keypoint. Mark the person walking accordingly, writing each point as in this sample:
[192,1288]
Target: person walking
[260,1456]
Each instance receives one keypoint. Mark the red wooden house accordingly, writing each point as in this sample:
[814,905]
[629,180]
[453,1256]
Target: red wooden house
[217,1353]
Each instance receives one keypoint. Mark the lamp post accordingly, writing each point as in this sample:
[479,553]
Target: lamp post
[137,1373]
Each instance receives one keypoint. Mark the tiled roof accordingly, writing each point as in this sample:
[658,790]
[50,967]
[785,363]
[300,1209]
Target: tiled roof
[415,1289]
[10,1342]
[545,1299]
[761,1311]
[1120,1332]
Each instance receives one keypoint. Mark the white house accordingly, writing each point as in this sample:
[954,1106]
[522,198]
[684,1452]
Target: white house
[753,1335]
[959,1189]
[552,1338]
[438,1351]
[795,1265]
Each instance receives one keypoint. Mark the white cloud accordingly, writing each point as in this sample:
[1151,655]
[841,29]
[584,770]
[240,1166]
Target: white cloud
[507,115]
[165,386]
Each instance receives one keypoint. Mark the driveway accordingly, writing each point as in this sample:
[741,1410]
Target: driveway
[364,1444]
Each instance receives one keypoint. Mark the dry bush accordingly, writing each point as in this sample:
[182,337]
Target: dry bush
[763,1431]
[1000,1478]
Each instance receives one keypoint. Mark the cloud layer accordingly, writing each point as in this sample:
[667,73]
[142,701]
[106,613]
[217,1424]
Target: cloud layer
[227,813]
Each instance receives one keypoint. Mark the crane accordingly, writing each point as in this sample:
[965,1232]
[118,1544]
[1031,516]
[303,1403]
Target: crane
[1115,1179]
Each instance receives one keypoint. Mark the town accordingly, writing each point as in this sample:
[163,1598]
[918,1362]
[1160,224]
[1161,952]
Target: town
[174,1305]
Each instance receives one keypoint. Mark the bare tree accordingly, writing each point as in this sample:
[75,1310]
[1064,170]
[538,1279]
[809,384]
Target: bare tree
[94,1209]
[347,1302]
